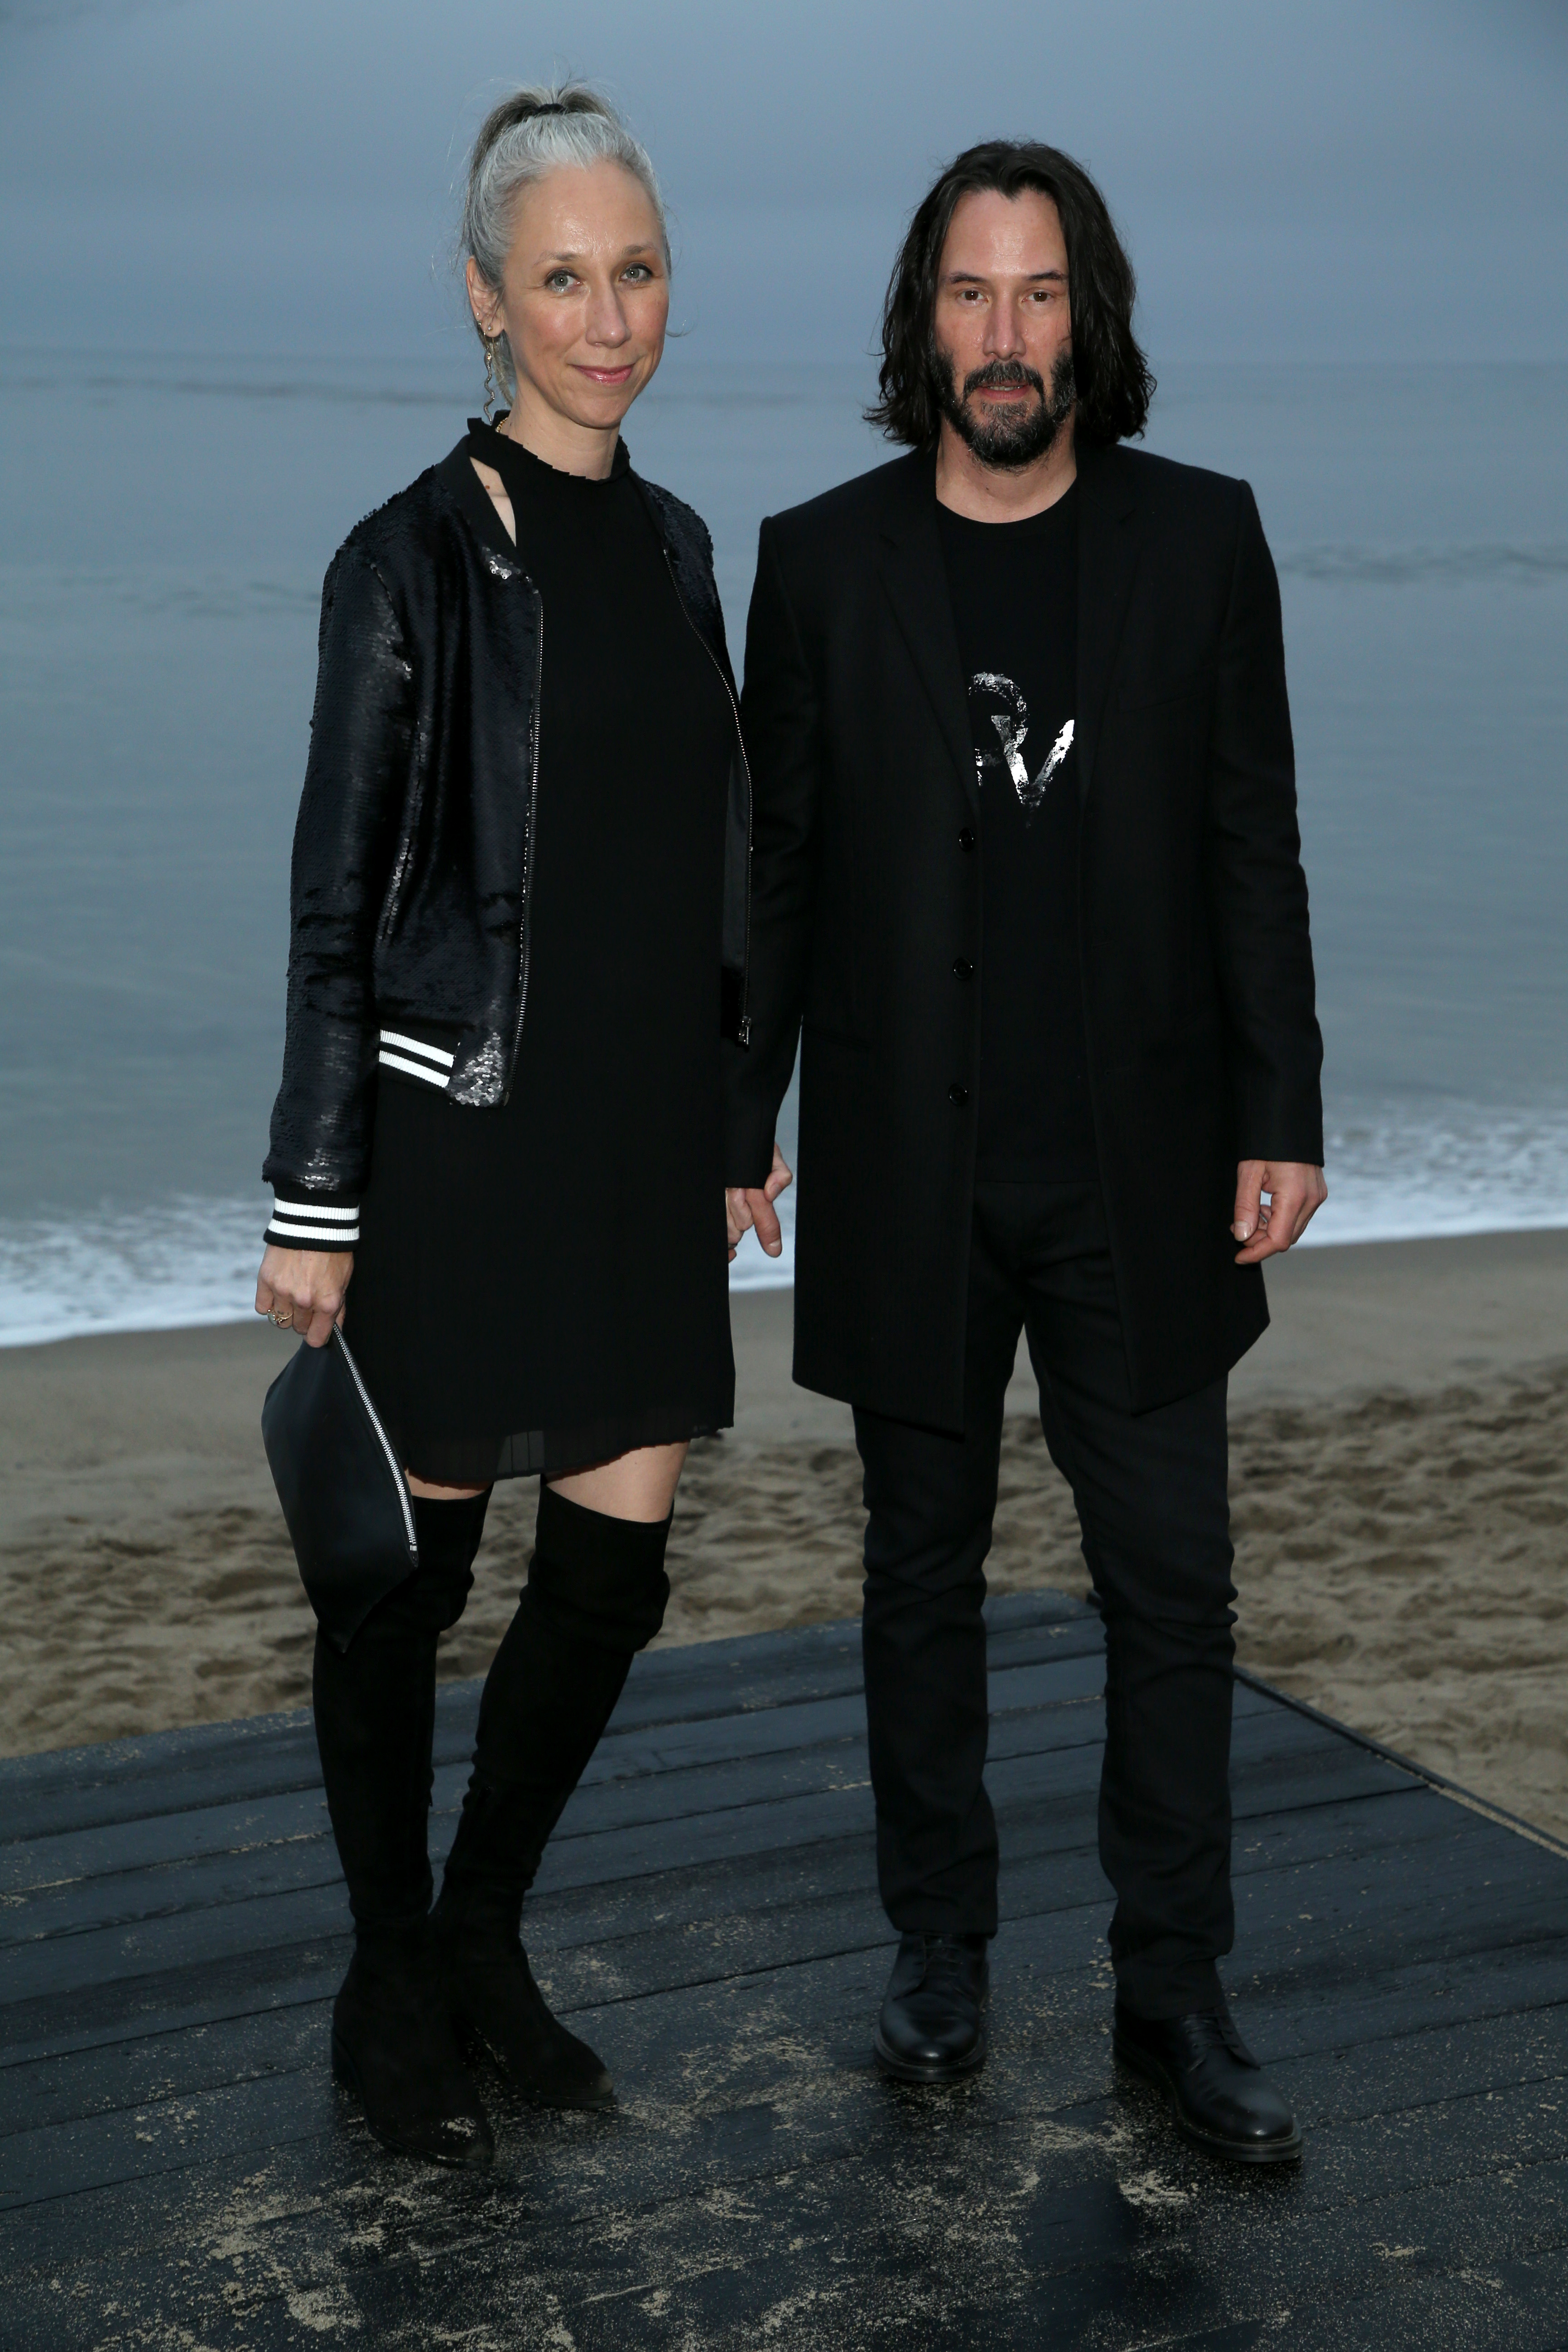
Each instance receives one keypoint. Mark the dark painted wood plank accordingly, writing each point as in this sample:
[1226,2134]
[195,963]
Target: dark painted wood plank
[1303,1768]
[828,1872]
[758,2177]
[167,2066]
[211,1771]
[819,1745]
[63,1789]
[1014,2195]
[1041,1960]
[777,1918]
[732,2087]
[134,1900]
[623,1756]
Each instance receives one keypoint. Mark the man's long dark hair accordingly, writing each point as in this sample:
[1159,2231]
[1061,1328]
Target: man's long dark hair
[1114,386]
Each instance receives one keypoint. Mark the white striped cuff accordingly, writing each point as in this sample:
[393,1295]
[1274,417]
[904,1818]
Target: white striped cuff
[307,1225]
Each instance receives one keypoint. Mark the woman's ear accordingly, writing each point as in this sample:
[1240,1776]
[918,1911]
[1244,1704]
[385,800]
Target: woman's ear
[483,300]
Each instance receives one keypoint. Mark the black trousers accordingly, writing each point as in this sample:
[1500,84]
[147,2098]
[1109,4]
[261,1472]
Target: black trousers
[1151,1491]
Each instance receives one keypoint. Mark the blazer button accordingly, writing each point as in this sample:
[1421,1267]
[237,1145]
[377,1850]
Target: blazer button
[966,839]
[957,1094]
[961,968]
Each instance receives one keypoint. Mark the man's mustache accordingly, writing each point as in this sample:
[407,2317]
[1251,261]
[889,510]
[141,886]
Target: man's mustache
[999,375]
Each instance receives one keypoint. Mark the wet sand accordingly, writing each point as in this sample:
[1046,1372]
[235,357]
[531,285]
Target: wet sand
[1400,1483]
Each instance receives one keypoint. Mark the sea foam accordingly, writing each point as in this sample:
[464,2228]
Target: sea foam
[1393,1176]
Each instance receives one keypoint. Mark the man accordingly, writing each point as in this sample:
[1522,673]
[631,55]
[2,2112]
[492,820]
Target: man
[1026,886]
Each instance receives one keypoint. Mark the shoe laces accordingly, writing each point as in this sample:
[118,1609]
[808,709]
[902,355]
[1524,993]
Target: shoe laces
[1215,2028]
[946,1965]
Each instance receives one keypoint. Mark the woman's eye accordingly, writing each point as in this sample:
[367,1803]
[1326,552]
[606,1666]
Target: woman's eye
[639,274]
[558,281]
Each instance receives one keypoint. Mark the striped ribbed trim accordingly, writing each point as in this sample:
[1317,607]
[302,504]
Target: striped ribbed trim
[407,1053]
[307,1224]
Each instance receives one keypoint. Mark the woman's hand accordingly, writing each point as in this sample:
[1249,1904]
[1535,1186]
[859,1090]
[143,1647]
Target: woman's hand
[303,1290]
[749,1208]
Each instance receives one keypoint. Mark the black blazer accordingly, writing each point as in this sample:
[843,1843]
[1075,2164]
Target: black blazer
[867,884]
[413,853]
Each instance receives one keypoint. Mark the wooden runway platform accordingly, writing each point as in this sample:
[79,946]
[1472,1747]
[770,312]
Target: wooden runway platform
[176,2170]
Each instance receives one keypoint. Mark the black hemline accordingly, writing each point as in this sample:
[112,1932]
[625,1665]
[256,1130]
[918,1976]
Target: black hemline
[550,1453]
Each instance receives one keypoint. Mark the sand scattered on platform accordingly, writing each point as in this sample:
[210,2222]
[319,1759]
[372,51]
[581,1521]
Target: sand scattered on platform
[1402,1565]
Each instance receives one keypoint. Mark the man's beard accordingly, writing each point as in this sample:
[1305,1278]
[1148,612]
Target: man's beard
[1014,436]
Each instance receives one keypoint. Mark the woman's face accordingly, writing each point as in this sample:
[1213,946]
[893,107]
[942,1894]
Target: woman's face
[585,295]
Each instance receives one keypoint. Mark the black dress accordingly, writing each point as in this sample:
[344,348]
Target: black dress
[545,1284]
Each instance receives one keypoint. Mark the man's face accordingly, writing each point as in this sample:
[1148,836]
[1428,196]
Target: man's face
[1002,326]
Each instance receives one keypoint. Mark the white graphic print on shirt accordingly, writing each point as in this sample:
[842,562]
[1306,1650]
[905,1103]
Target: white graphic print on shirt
[1012,725]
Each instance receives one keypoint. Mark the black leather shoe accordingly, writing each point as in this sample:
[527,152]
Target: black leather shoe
[932,2026]
[492,1999]
[1219,2094]
[393,2048]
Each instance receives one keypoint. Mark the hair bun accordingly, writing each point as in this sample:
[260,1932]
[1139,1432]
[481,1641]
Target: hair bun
[528,105]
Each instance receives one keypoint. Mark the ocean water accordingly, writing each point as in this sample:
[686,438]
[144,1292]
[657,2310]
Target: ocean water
[164,523]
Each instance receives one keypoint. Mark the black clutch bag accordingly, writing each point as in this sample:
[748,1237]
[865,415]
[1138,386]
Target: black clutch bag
[341,1486]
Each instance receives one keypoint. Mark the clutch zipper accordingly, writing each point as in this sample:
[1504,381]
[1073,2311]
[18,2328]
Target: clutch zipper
[399,1481]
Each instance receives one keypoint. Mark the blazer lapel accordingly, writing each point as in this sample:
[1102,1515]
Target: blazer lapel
[1107,560]
[915,579]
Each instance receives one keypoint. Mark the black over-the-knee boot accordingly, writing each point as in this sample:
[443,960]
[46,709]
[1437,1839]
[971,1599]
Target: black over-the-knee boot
[596,1594]
[376,1718]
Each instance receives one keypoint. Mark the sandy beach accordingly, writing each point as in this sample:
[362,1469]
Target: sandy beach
[1400,1485]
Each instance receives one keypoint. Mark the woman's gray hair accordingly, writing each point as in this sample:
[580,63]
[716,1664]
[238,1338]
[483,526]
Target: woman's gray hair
[533,131]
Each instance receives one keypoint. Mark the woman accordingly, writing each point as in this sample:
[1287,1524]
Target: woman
[518,926]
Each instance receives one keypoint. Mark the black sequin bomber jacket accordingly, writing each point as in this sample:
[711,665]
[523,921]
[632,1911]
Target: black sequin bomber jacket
[413,855]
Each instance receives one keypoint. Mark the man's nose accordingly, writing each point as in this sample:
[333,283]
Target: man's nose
[1004,337]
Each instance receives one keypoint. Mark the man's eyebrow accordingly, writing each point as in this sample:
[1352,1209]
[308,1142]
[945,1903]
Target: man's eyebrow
[981,276]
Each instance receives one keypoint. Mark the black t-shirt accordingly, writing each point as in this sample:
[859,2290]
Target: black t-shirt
[1015,605]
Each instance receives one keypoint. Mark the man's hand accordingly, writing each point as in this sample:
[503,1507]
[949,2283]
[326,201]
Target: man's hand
[302,1290]
[1296,1192]
[748,1211]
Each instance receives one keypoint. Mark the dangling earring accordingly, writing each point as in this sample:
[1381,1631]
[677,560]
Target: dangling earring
[494,389]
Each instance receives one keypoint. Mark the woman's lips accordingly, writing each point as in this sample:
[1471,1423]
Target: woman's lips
[607,375]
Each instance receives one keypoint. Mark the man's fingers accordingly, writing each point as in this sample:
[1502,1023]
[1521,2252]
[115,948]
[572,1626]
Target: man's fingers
[780,1177]
[738,1211]
[1294,1209]
[1249,1197]
[1290,1208]
[751,1210]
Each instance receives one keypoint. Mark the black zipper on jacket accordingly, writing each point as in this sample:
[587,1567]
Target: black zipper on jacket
[745,1020]
[525,928]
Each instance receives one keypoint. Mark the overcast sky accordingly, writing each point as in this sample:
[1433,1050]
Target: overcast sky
[1337,178]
